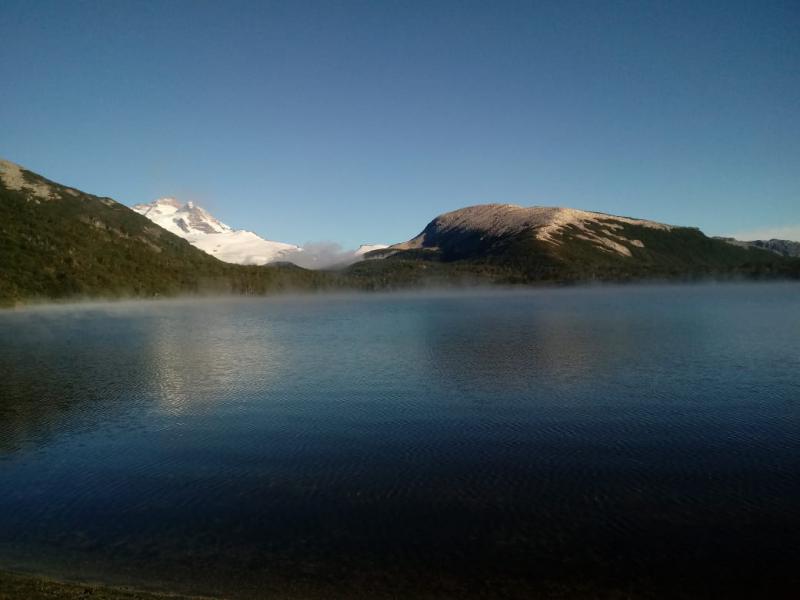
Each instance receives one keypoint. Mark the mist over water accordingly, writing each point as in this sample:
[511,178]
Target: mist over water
[634,440]
[322,255]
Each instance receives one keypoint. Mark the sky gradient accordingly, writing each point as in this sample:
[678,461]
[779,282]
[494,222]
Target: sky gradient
[358,122]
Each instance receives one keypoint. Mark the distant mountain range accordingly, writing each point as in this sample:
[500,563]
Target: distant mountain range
[58,242]
[786,248]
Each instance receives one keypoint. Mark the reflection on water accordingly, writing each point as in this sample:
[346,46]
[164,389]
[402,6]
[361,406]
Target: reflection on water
[609,441]
[201,356]
[511,345]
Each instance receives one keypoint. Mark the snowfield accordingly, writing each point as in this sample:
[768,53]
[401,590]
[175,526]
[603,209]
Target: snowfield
[211,235]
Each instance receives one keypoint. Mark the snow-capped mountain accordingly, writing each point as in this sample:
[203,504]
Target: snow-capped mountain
[203,231]
[181,219]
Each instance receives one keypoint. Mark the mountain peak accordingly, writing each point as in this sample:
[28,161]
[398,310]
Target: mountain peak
[173,202]
[211,235]
[181,219]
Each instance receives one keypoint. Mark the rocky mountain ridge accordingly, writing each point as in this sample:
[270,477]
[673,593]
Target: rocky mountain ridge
[544,223]
[786,248]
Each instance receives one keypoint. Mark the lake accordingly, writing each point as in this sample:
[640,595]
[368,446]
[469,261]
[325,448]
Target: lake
[620,441]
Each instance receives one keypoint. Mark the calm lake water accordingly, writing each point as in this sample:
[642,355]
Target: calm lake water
[641,441]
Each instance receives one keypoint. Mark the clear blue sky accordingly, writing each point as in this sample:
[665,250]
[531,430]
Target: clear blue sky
[360,121]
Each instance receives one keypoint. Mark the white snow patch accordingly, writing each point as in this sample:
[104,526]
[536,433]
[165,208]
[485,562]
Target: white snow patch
[364,248]
[241,247]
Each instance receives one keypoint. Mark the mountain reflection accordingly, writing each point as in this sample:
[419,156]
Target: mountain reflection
[198,357]
[526,347]
[68,372]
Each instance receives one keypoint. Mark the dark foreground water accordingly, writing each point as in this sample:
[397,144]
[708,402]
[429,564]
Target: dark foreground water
[629,441]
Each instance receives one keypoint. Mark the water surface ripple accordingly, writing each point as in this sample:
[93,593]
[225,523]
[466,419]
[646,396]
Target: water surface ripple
[612,442]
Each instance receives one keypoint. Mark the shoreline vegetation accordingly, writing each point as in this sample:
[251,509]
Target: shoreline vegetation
[67,302]
[29,586]
[16,585]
